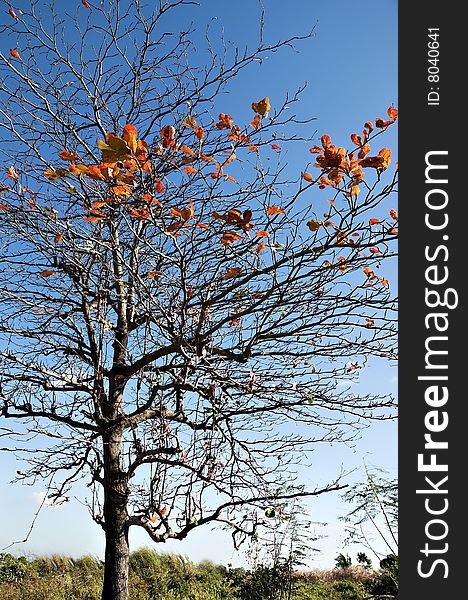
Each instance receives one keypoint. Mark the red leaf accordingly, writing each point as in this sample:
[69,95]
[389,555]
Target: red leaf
[232,272]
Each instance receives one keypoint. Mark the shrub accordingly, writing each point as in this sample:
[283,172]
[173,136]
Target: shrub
[12,568]
[385,583]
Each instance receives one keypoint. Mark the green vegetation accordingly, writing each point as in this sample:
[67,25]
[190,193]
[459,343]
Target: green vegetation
[159,576]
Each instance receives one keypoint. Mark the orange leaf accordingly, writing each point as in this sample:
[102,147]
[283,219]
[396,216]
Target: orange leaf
[130,137]
[158,186]
[364,151]
[47,273]
[253,147]
[229,178]
[374,250]
[139,213]
[199,132]
[260,248]
[275,147]
[262,234]
[229,237]
[59,237]
[392,112]
[394,214]
[14,53]
[187,150]
[315,150]
[121,190]
[3,207]
[324,182]
[256,123]
[274,210]
[202,225]
[12,13]
[368,125]
[85,3]
[68,156]
[207,158]
[190,170]
[326,140]
[308,177]
[167,135]
[374,221]
[78,169]
[225,121]
[356,139]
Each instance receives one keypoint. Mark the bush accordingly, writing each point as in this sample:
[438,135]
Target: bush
[350,590]
[385,583]
[155,576]
[12,568]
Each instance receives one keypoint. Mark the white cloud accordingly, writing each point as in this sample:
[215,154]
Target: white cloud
[40,498]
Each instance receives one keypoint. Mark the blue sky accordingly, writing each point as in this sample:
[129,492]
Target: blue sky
[350,66]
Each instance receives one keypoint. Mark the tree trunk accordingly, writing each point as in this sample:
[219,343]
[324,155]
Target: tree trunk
[115,521]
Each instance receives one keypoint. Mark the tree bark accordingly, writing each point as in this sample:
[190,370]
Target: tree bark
[116,493]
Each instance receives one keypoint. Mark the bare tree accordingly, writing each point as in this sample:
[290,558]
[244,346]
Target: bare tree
[175,316]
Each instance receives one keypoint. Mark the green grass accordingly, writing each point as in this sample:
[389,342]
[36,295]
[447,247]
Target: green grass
[159,576]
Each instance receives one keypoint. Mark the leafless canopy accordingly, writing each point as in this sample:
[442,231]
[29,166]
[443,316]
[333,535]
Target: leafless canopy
[182,376]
